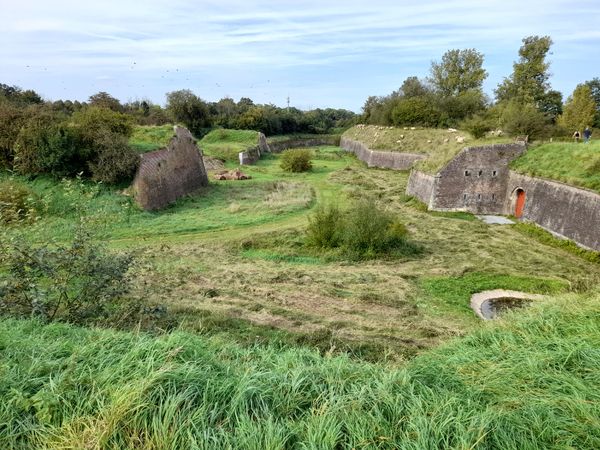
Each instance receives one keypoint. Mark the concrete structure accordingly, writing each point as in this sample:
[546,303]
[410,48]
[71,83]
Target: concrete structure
[252,155]
[170,173]
[381,159]
[478,180]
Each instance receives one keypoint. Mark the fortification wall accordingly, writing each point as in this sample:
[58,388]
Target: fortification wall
[384,160]
[170,173]
[421,185]
[565,210]
[476,179]
[279,146]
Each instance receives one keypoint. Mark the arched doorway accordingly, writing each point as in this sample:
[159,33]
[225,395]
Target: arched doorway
[520,203]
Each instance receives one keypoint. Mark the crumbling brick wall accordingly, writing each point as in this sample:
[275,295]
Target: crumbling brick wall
[170,173]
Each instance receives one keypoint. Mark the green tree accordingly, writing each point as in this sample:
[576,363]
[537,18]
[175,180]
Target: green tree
[458,72]
[580,109]
[105,100]
[523,119]
[594,85]
[529,81]
[189,109]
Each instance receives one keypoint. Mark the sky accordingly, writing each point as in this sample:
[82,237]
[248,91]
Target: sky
[317,53]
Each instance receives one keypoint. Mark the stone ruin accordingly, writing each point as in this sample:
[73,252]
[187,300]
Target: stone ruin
[170,173]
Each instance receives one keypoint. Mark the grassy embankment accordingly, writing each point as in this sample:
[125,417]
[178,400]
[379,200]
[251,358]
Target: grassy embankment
[526,382]
[569,162]
[150,138]
[227,144]
[230,259]
[439,144]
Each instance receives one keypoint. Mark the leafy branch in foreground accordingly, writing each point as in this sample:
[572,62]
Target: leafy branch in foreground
[78,282]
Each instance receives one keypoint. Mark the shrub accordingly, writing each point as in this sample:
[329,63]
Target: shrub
[115,160]
[477,125]
[17,203]
[523,119]
[324,227]
[362,232]
[78,283]
[296,160]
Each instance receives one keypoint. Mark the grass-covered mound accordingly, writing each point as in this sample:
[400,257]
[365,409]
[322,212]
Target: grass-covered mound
[527,382]
[147,138]
[577,164]
[439,144]
[226,144]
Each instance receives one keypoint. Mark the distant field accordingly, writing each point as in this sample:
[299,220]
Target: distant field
[573,163]
[439,144]
[226,144]
[148,138]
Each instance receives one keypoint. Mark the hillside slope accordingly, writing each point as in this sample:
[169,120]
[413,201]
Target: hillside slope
[440,145]
[526,382]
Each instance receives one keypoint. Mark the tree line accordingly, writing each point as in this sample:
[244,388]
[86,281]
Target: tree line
[65,138]
[525,103]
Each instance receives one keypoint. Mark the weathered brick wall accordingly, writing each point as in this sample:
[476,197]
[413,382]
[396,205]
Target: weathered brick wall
[421,186]
[170,173]
[565,210]
[476,179]
[384,160]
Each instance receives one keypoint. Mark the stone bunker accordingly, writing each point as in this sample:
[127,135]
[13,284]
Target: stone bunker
[170,173]
[489,305]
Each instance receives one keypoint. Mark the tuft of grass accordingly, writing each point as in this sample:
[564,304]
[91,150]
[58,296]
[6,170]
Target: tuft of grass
[577,164]
[527,381]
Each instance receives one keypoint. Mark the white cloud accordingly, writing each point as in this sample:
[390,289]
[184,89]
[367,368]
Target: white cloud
[75,40]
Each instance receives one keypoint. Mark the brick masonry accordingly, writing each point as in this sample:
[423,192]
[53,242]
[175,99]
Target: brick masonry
[383,159]
[478,180]
[170,173]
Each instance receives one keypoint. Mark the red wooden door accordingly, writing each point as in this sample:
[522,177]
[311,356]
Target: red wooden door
[520,203]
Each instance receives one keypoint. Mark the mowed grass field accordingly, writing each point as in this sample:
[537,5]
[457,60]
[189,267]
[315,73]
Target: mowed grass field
[231,259]
[270,344]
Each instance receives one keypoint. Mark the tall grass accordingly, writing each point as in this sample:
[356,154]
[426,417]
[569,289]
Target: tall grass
[525,382]
[573,163]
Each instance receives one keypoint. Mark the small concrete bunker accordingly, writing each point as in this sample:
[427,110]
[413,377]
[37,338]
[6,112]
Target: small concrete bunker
[170,173]
[488,305]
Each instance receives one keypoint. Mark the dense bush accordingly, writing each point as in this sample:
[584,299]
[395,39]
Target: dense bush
[523,119]
[364,231]
[80,283]
[477,125]
[114,159]
[17,203]
[296,160]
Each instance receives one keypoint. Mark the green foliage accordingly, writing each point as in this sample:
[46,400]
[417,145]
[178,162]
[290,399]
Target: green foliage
[518,119]
[415,111]
[324,227]
[547,238]
[12,118]
[296,160]
[364,231]
[105,100]
[115,160]
[528,83]
[579,111]
[459,71]
[18,203]
[478,125]
[78,283]
[526,382]
[189,109]
[93,120]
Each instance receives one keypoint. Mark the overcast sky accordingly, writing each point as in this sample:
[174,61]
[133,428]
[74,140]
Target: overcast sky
[319,53]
